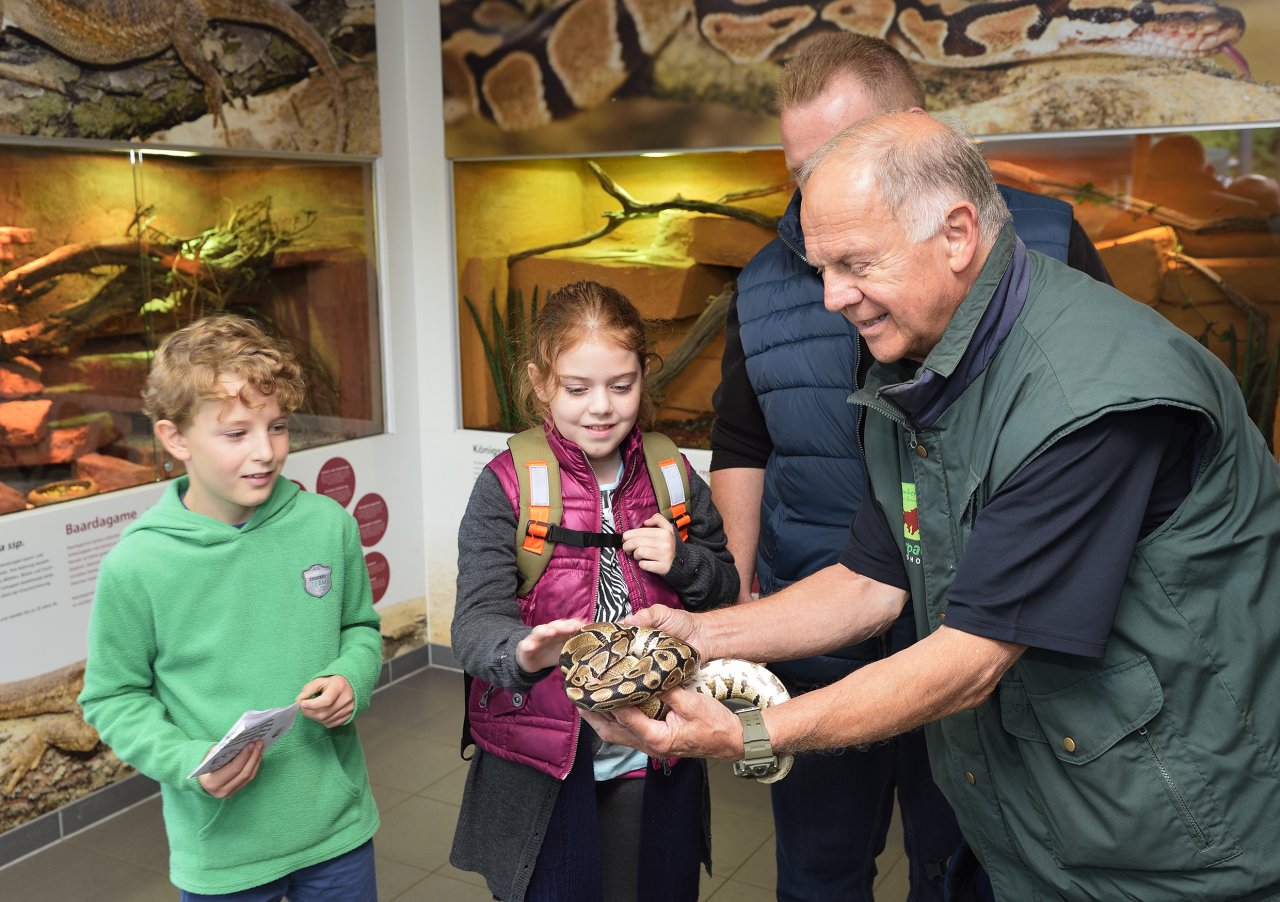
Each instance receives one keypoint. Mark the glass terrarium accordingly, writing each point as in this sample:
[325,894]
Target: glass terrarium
[103,253]
[1187,222]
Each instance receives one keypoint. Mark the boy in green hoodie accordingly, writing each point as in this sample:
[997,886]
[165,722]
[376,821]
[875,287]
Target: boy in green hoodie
[238,591]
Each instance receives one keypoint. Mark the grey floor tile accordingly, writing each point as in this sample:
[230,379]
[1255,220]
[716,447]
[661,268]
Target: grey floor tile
[444,727]
[395,707]
[135,836]
[735,838]
[746,797]
[439,888]
[448,870]
[893,882]
[449,788]
[735,891]
[394,877]
[72,872]
[760,868]
[417,832]
[387,798]
[440,688]
[707,888]
[409,763]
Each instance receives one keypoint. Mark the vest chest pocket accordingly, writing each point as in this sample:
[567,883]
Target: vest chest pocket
[1112,778]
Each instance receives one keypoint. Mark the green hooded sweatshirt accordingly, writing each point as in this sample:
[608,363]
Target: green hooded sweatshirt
[195,621]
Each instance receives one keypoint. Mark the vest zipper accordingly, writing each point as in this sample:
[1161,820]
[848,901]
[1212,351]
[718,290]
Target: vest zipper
[1179,799]
[484,699]
[791,247]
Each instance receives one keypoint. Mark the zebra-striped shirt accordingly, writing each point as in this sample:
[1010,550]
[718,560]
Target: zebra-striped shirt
[612,598]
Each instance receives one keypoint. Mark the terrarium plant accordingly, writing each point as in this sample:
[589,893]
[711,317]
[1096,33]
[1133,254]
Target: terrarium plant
[504,340]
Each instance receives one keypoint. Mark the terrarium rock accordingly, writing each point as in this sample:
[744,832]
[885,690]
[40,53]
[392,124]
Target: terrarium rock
[64,443]
[111,473]
[11,499]
[19,378]
[24,423]
[718,241]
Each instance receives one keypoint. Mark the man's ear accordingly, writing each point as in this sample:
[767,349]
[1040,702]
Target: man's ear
[174,441]
[960,231]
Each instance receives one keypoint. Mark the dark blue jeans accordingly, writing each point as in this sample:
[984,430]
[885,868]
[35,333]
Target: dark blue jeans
[347,878]
[831,814]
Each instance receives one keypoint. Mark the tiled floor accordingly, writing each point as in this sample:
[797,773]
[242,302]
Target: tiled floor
[410,736]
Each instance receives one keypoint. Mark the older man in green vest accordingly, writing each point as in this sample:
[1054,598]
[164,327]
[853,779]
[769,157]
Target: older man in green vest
[1068,491]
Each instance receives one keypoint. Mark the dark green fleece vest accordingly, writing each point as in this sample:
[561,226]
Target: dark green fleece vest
[1152,773]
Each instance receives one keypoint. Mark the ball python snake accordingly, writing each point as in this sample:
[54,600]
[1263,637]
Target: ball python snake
[525,71]
[609,665]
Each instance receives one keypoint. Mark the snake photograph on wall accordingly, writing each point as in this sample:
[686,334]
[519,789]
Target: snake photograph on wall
[581,71]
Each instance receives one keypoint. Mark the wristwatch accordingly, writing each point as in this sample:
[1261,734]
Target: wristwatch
[758,759]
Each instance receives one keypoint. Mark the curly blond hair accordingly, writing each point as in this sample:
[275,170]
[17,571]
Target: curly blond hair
[189,364]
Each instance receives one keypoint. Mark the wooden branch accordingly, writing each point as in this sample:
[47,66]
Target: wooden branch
[1088,193]
[635,209]
[82,257]
[707,326]
[1258,319]
[57,333]
[561,245]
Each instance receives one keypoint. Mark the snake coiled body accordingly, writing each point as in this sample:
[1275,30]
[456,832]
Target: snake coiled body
[608,666]
[525,73]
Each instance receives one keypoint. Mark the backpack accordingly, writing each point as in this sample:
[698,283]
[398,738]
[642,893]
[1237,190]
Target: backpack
[541,509]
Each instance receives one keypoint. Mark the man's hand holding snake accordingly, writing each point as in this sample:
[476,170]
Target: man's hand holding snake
[684,625]
[696,726]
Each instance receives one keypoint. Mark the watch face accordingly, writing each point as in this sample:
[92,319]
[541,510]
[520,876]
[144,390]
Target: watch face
[755,770]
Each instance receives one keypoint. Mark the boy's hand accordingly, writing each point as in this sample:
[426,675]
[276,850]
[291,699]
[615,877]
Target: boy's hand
[236,774]
[329,700]
[652,545]
[542,647]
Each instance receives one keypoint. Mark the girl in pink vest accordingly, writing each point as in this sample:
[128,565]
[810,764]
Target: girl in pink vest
[549,812]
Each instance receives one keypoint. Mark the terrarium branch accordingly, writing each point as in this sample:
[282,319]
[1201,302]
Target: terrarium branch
[194,273]
[1090,193]
[636,209]
[564,245]
[707,326]
[83,257]
[1258,318]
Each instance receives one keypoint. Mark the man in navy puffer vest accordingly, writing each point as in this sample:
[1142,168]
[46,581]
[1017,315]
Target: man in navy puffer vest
[787,475]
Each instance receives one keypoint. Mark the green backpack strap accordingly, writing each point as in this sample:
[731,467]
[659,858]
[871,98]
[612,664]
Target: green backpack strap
[541,507]
[670,479]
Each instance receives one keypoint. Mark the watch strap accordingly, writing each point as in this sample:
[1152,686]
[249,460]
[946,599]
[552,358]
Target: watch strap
[758,759]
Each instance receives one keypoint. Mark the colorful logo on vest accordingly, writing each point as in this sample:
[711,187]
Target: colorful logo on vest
[910,523]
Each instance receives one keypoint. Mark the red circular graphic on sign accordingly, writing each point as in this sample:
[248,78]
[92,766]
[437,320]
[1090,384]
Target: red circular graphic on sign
[371,514]
[379,574]
[337,479]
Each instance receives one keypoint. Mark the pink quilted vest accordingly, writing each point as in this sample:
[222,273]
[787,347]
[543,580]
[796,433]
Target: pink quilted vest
[540,728]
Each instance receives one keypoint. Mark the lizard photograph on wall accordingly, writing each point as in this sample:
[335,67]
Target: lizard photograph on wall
[587,76]
[251,74]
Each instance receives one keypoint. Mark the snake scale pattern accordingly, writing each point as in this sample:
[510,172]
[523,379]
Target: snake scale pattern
[609,665]
[524,71]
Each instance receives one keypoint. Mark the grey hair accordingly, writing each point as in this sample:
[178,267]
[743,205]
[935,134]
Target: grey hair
[919,174]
